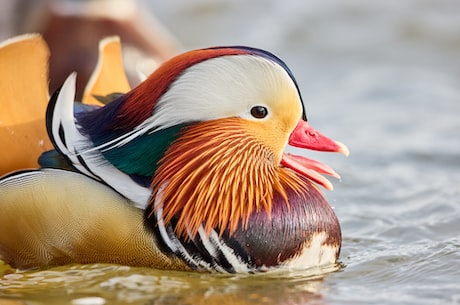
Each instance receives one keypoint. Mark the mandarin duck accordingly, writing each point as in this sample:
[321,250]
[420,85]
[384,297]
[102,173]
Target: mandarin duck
[186,171]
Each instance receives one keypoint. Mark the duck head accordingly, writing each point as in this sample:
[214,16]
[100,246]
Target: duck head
[208,130]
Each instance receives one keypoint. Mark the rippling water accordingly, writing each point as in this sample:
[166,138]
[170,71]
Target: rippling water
[383,77]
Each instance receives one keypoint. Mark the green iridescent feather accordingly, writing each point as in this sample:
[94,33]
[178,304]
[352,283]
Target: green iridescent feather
[141,155]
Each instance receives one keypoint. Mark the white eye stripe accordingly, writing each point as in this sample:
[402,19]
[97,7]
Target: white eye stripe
[221,87]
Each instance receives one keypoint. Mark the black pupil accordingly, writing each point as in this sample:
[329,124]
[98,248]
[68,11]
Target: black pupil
[259,112]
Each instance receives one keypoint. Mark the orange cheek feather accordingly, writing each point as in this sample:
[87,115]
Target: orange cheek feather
[216,174]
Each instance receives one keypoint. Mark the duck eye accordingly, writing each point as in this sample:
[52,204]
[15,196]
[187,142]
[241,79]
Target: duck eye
[259,112]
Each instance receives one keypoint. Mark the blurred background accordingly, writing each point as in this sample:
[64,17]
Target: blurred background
[382,77]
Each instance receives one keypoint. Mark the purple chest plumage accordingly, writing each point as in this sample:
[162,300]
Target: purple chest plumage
[278,238]
[283,237]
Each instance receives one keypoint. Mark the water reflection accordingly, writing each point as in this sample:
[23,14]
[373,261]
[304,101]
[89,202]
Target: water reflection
[113,284]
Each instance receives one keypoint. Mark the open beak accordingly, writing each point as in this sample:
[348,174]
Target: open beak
[305,136]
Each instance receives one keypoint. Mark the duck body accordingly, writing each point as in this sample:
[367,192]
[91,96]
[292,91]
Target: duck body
[83,221]
[186,171]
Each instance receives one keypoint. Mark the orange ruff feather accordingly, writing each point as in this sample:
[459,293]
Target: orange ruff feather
[217,174]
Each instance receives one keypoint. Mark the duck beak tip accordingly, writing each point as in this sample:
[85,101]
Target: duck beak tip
[343,149]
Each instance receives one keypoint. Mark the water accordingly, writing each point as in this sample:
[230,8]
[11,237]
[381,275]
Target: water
[383,77]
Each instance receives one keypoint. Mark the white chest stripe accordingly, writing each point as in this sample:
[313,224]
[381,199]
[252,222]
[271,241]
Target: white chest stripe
[214,245]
